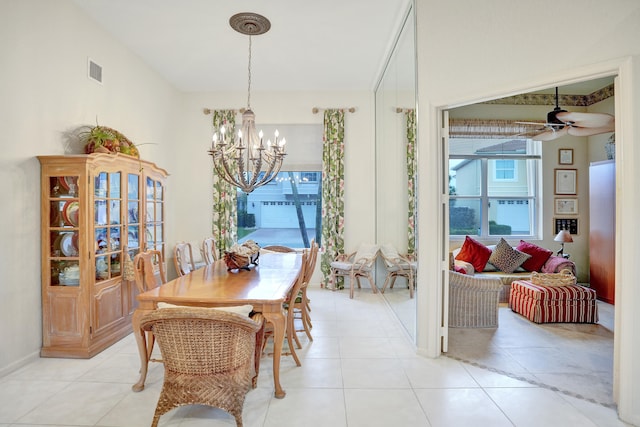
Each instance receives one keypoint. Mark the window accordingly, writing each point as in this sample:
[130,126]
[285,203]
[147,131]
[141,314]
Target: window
[287,210]
[309,176]
[285,214]
[505,170]
[494,187]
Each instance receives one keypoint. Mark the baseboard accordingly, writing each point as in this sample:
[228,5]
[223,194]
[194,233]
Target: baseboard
[6,370]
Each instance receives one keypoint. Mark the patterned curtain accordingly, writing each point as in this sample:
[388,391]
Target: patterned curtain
[412,167]
[332,193]
[224,194]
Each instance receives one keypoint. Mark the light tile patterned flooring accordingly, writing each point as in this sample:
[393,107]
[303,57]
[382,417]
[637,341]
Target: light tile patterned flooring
[359,371]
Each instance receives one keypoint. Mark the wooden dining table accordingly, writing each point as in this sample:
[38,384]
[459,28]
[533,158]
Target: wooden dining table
[264,286]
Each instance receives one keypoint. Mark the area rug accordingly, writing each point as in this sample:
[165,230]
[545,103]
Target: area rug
[575,359]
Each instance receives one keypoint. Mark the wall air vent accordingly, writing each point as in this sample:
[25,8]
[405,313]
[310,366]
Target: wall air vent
[95,71]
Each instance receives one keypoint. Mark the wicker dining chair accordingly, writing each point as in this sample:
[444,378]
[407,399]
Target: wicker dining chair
[209,357]
[183,258]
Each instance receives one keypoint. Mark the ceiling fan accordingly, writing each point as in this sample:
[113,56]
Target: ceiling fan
[562,122]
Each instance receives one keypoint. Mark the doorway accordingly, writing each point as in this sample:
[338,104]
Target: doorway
[519,348]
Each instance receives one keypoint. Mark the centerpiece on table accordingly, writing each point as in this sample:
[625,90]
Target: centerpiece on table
[242,256]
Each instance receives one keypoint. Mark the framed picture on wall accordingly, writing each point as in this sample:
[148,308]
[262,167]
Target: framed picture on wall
[566,206]
[565,156]
[566,181]
[569,224]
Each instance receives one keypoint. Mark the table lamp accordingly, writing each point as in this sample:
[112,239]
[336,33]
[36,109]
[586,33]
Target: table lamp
[563,237]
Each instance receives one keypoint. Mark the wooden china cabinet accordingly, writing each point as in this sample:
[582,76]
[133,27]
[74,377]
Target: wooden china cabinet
[94,208]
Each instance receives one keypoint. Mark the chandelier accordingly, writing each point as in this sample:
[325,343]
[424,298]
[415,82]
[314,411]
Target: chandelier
[244,160]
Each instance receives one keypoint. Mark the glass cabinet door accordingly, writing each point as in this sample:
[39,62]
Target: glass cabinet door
[133,214]
[154,211]
[107,225]
[64,221]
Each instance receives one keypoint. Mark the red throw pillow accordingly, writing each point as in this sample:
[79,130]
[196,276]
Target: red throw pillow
[475,253]
[538,255]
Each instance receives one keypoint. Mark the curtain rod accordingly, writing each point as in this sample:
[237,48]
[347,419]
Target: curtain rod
[209,110]
[316,110]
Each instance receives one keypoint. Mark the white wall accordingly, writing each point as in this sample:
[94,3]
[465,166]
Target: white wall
[501,48]
[45,93]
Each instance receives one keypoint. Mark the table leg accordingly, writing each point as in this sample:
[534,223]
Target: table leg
[141,340]
[278,322]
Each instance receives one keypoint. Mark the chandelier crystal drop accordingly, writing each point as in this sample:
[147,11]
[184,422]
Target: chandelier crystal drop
[244,160]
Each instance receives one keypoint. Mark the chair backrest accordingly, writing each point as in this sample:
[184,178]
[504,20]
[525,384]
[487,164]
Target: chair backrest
[366,254]
[311,261]
[389,251]
[202,341]
[209,250]
[183,258]
[300,281]
[148,270]
[278,248]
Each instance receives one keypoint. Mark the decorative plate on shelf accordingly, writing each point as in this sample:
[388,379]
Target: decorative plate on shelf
[68,181]
[69,244]
[70,213]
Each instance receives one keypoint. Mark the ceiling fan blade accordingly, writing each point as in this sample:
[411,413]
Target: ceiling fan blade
[588,120]
[580,131]
[550,135]
[531,123]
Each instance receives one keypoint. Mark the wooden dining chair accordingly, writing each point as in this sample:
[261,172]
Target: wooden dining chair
[209,251]
[148,269]
[302,304]
[183,258]
[289,304]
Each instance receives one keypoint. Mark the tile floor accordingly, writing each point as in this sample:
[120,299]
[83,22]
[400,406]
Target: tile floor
[360,370]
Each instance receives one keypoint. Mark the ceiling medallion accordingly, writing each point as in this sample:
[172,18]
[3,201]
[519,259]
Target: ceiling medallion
[249,23]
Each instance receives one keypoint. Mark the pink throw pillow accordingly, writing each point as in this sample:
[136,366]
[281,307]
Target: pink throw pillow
[459,270]
[475,253]
[538,254]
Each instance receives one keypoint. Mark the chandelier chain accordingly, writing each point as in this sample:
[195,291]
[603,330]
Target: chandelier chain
[249,79]
[244,160]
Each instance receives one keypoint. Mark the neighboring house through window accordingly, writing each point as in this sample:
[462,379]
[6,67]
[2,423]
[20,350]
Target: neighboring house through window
[494,187]
[287,210]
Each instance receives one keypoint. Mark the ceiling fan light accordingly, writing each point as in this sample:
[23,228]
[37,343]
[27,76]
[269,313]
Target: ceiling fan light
[552,116]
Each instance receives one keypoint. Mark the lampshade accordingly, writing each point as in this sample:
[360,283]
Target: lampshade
[563,236]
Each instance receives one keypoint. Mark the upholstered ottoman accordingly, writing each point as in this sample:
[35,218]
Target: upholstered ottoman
[547,304]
